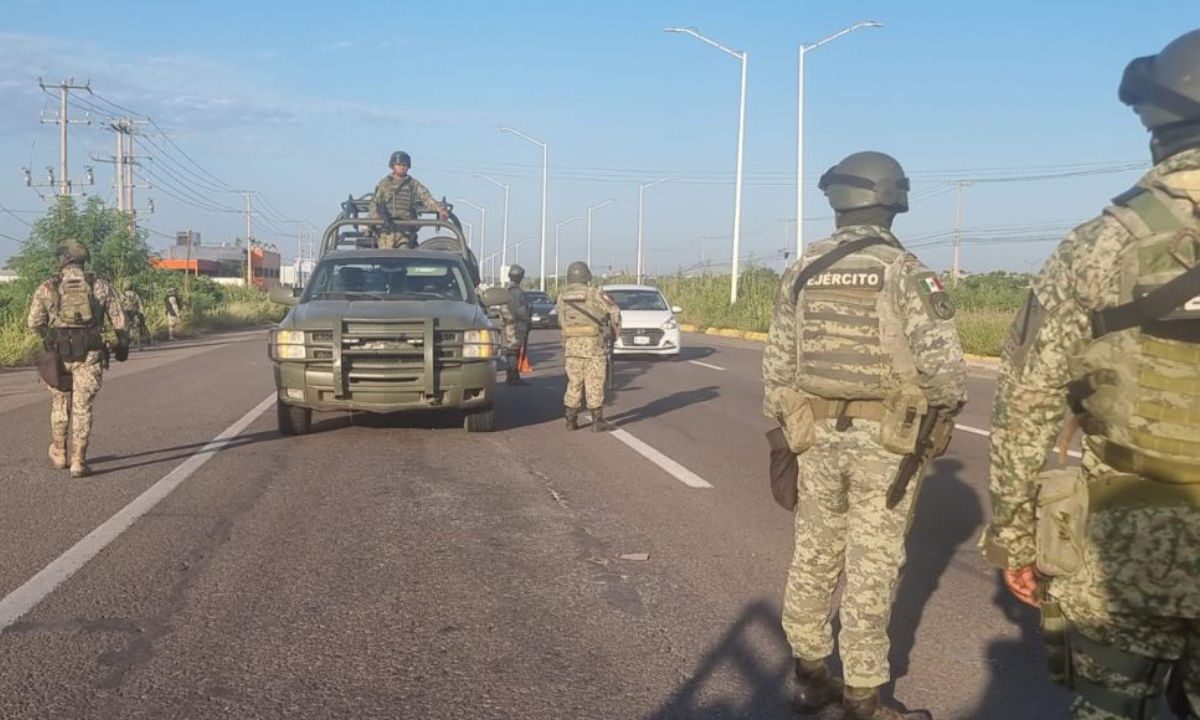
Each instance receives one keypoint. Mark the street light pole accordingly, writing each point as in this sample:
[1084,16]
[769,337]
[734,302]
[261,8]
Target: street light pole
[804,50]
[504,236]
[557,227]
[517,250]
[641,215]
[482,228]
[743,57]
[545,180]
[591,210]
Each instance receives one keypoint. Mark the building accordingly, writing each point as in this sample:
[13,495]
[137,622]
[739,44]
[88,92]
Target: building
[297,273]
[224,263]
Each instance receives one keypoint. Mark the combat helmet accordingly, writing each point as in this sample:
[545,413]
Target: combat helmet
[72,252]
[1164,89]
[866,179]
[400,158]
[578,272]
[516,273]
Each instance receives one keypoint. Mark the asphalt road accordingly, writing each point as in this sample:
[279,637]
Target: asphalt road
[396,567]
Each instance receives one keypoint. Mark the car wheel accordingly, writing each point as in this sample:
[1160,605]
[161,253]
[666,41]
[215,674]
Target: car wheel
[480,422]
[293,420]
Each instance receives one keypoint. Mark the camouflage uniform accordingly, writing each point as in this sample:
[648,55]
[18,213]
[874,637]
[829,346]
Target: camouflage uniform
[73,409]
[1138,591]
[514,316]
[841,522]
[583,341]
[400,199]
[173,311]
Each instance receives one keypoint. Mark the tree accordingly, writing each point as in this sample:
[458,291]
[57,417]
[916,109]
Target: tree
[119,253]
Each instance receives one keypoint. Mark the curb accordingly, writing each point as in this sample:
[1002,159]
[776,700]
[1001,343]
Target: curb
[983,361]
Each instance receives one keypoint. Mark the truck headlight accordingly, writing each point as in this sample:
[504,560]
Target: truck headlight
[670,324]
[289,344]
[479,344]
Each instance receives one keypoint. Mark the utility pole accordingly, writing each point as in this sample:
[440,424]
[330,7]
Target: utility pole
[958,190]
[249,235]
[64,121]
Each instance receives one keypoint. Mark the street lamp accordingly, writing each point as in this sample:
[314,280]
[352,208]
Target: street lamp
[591,210]
[482,224]
[557,227]
[804,50]
[641,203]
[504,238]
[741,144]
[517,250]
[545,178]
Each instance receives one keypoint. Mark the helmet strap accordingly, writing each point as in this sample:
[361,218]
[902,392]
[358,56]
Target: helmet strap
[874,215]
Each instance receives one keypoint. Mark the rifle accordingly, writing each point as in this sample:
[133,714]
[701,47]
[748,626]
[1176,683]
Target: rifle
[608,357]
[915,460]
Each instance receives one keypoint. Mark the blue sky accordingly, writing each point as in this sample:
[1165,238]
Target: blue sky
[303,102]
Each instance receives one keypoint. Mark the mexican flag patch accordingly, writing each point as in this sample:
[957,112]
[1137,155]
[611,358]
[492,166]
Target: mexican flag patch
[930,285]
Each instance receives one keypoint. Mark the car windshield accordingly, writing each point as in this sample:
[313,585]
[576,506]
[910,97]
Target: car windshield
[537,297]
[401,278]
[638,299]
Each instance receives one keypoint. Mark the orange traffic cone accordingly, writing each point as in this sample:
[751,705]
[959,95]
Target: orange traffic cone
[523,365]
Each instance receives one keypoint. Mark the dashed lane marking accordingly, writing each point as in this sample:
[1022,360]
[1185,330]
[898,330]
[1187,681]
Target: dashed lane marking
[26,597]
[674,469]
[704,364]
[987,434]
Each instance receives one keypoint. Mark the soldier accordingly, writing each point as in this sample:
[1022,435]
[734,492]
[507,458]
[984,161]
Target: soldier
[515,316]
[590,320]
[135,319]
[1111,331]
[862,355]
[174,311]
[398,197]
[68,312]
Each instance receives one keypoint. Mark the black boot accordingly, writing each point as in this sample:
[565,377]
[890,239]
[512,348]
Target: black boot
[864,704]
[572,418]
[599,424]
[816,687]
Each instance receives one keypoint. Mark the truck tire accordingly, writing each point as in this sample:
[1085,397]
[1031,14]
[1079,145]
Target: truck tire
[480,421]
[293,420]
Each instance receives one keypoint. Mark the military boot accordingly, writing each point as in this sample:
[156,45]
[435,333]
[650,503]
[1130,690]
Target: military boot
[58,454]
[572,416]
[599,424]
[79,466]
[816,687]
[864,704]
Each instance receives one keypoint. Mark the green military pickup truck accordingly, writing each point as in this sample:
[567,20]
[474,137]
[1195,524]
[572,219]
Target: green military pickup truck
[386,330]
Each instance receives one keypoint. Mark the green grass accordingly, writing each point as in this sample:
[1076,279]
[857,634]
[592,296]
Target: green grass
[983,331]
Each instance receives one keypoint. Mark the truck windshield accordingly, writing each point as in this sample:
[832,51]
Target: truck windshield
[402,278]
[638,299]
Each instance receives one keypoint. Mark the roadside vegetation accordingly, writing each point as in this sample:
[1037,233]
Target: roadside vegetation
[986,303]
[119,256]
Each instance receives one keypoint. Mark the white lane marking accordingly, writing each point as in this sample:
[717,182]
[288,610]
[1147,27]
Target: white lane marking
[674,469]
[987,434]
[24,598]
[704,364]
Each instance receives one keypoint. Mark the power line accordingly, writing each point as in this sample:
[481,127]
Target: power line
[16,217]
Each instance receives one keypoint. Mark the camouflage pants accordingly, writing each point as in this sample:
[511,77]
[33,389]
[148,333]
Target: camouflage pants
[843,527]
[585,373]
[393,240]
[1138,593]
[73,410]
[172,324]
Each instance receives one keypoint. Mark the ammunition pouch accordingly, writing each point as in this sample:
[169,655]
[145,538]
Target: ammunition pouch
[1062,515]
[784,470]
[900,427]
[797,420]
[74,344]
[1164,470]
[52,372]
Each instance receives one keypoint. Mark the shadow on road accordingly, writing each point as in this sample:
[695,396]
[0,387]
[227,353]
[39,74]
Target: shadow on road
[695,353]
[948,514]
[100,465]
[667,403]
[753,660]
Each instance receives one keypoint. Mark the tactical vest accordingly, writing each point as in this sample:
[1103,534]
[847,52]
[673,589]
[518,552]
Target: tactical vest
[575,315]
[76,327]
[1140,373]
[850,329]
[400,200]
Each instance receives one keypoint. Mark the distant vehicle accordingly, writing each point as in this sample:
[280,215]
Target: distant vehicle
[543,311]
[386,330]
[648,324]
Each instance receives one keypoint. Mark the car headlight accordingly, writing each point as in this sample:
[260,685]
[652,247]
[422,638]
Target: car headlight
[289,344]
[479,343]
[670,324]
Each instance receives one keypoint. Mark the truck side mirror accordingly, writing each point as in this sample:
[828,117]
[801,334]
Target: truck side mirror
[283,295]
[496,296]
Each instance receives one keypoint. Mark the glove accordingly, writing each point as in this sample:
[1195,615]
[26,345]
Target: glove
[121,352]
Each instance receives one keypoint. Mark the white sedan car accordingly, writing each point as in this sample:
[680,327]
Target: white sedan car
[648,325]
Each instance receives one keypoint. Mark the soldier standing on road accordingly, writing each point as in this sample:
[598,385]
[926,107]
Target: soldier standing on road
[174,311]
[399,196]
[68,312]
[589,319]
[515,318]
[1111,331]
[134,317]
[857,357]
